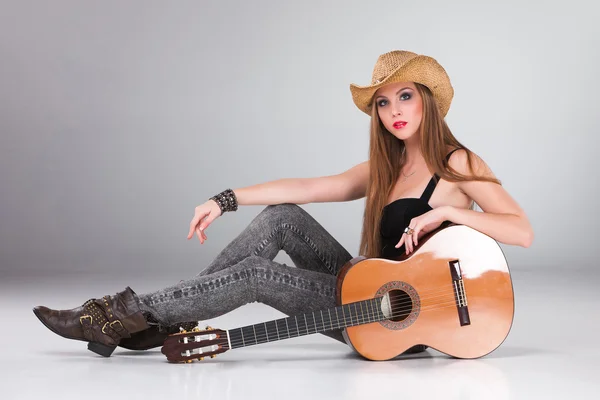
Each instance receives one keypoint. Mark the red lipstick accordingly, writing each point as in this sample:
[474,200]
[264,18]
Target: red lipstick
[400,124]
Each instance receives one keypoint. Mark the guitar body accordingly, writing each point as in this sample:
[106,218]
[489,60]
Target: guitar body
[453,293]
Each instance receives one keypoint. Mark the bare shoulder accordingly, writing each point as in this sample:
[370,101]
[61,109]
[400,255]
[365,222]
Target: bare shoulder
[489,196]
[459,161]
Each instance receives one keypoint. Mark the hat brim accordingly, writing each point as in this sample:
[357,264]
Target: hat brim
[420,69]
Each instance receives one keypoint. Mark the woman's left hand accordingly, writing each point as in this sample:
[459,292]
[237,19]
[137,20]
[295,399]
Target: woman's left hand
[422,225]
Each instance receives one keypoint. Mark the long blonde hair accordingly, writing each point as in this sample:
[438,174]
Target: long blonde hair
[386,159]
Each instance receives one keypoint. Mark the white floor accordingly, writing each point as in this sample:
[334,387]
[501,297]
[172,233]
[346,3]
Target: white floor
[552,352]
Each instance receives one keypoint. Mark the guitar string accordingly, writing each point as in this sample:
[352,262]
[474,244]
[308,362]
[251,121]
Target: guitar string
[235,343]
[360,319]
[427,291]
[324,326]
[395,305]
[430,294]
[409,302]
[434,294]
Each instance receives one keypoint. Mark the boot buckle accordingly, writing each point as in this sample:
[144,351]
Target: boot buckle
[112,327]
[114,322]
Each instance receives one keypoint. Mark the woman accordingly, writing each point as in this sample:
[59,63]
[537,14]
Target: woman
[418,176]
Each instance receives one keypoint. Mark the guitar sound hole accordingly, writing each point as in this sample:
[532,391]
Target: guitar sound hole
[401,304]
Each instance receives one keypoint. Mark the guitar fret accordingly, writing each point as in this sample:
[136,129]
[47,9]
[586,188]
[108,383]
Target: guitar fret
[271,326]
[261,337]
[322,320]
[371,304]
[372,308]
[306,324]
[247,333]
[330,321]
[296,326]
[362,312]
[350,312]
[282,331]
[241,336]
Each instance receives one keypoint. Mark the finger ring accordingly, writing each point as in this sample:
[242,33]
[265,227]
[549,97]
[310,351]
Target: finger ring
[409,230]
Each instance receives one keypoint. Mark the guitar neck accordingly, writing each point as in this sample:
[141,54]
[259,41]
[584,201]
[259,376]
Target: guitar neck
[351,314]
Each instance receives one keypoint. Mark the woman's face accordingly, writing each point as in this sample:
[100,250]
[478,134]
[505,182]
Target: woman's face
[400,108]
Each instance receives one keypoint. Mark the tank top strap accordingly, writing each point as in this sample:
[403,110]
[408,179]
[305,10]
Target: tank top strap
[429,189]
[433,182]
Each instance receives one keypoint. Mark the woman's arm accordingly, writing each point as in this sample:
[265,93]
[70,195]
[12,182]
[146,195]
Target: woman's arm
[502,218]
[346,186]
[511,229]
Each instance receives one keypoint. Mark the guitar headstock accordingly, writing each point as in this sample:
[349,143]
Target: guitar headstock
[185,347]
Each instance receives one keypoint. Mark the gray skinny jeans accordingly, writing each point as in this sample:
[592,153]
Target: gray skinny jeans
[244,272]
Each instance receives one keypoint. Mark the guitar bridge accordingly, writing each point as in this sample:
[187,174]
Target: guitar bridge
[460,295]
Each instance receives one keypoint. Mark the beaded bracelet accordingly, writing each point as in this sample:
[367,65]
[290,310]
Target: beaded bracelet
[226,200]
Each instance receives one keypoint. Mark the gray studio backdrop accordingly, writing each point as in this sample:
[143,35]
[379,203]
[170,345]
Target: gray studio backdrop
[118,118]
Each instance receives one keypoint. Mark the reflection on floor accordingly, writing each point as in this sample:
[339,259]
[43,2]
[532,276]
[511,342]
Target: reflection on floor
[551,352]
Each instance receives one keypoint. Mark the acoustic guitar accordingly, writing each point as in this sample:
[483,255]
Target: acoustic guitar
[453,293]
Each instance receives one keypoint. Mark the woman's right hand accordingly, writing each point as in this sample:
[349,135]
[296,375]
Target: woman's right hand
[205,214]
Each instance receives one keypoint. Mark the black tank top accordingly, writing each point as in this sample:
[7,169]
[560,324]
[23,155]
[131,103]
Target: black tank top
[397,215]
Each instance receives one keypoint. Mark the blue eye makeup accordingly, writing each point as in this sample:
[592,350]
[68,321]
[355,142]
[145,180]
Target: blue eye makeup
[403,96]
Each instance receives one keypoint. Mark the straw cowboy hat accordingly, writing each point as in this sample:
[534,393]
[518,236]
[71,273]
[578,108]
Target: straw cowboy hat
[406,66]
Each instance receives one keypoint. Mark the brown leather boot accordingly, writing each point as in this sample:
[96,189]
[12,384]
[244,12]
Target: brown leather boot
[154,337]
[103,323]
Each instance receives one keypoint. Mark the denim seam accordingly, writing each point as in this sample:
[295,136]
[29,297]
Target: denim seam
[261,273]
[251,272]
[303,236]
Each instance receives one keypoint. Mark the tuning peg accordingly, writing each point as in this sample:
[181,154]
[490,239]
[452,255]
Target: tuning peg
[181,330]
[213,355]
[201,359]
[196,329]
[188,361]
[208,328]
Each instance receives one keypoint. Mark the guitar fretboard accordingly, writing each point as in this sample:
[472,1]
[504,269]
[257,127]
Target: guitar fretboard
[362,312]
